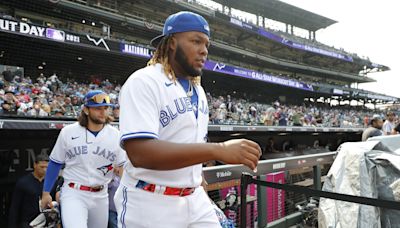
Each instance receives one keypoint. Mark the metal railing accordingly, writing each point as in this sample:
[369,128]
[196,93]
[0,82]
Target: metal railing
[231,172]
[227,173]
[249,179]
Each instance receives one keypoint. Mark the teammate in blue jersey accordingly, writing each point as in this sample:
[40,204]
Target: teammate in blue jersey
[90,150]
[163,122]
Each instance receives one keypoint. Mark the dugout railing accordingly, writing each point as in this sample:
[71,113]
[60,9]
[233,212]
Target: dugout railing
[246,177]
[229,173]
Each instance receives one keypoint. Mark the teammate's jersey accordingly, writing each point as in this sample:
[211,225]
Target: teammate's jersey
[153,106]
[88,159]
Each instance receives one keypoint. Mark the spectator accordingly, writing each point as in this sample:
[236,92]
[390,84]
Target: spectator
[23,96]
[47,109]
[54,82]
[396,130]
[56,105]
[58,113]
[374,130]
[76,104]
[297,118]
[389,125]
[35,88]
[115,112]
[229,104]
[11,103]
[24,108]
[318,118]
[41,79]
[7,109]
[366,120]
[282,118]
[25,200]
[69,108]
[269,115]
[45,88]
[37,110]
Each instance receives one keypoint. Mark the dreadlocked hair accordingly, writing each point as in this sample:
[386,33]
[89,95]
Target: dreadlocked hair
[161,56]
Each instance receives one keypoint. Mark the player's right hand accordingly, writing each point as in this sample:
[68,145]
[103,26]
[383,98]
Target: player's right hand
[46,201]
[240,151]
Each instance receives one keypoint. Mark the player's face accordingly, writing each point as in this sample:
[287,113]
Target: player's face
[98,115]
[191,52]
[40,168]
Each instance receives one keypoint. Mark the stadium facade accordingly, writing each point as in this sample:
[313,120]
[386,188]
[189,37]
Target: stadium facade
[91,40]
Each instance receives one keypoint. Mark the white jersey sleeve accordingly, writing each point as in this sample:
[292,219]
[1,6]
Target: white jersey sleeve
[58,153]
[139,109]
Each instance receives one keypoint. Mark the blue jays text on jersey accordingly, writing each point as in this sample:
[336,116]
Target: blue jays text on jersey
[181,106]
[83,150]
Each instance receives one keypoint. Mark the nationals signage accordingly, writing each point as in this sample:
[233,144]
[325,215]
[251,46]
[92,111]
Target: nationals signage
[251,74]
[136,50]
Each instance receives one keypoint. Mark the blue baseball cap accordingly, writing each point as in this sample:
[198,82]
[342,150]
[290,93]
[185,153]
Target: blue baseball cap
[183,21]
[97,98]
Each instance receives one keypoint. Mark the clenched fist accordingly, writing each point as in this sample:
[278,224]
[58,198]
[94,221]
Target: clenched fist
[240,151]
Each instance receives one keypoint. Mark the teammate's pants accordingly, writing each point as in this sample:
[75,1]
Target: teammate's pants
[83,209]
[142,209]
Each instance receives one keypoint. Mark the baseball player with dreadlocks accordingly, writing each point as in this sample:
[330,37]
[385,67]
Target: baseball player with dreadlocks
[163,123]
[90,150]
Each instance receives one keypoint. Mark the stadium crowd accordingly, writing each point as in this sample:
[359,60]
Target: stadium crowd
[229,110]
[52,97]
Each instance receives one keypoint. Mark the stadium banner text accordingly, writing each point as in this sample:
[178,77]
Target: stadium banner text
[251,74]
[27,29]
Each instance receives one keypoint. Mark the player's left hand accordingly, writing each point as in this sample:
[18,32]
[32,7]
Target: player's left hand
[46,201]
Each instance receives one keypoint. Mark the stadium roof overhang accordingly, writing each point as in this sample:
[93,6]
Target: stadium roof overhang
[283,12]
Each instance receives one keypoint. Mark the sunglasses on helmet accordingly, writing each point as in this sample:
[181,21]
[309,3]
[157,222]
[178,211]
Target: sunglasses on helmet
[101,98]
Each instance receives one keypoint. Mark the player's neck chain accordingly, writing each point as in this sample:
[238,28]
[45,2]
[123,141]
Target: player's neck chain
[189,91]
[87,129]
[87,137]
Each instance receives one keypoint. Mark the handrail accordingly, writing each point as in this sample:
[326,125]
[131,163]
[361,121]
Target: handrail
[247,179]
[20,122]
[230,172]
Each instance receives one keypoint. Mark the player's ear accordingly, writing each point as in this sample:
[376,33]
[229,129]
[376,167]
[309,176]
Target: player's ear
[86,110]
[173,43]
